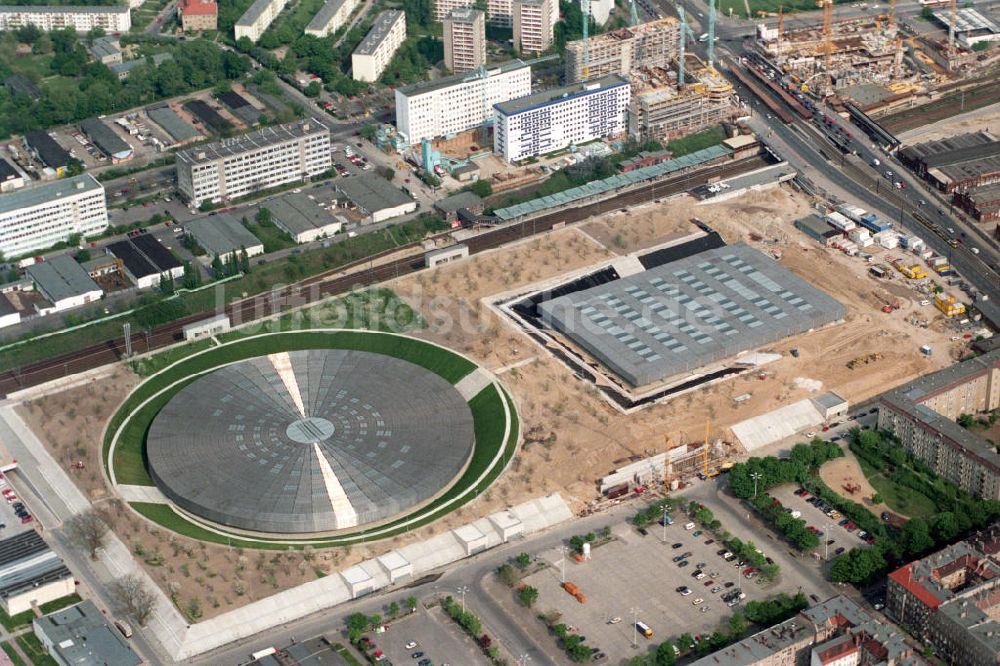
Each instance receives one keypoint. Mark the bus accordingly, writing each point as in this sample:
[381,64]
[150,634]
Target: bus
[644,629]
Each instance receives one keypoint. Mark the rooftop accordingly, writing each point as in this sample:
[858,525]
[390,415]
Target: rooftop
[175,126]
[134,262]
[425,87]
[56,9]
[262,138]
[687,313]
[298,213]
[372,193]
[49,152]
[254,12]
[554,95]
[81,635]
[461,200]
[103,47]
[967,19]
[325,13]
[953,149]
[17,83]
[220,234]
[61,277]
[465,14]
[48,192]
[26,561]
[7,172]
[104,137]
[380,29]
[129,65]
[199,7]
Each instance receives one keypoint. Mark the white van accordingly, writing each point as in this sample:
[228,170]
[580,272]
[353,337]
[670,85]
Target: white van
[689,526]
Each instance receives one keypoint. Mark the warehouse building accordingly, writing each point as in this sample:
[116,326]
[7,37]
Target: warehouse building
[652,44]
[302,218]
[257,17]
[923,413]
[223,235]
[331,17]
[449,207]
[10,178]
[31,574]
[818,229]
[146,260]
[47,151]
[951,600]
[957,162]
[123,69]
[178,128]
[465,39]
[375,51]
[64,283]
[982,203]
[80,635]
[209,117]
[112,18]
[376,197]
[198,15]
[682,315]
[36,218]
[245,165]
[457,103]
[534,24]
[105,50]
[560,117]
[107,140]
[240,107]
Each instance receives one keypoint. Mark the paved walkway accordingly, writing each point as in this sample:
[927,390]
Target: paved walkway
[149,494]
[473,383]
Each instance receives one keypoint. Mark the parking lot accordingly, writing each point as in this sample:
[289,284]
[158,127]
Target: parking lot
[436,636]
[10,523]
[638,572]
[829,526]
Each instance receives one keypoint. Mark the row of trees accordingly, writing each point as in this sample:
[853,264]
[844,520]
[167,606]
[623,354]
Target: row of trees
[196,65]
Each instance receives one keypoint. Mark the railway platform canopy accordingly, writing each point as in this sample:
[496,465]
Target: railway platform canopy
[612,183]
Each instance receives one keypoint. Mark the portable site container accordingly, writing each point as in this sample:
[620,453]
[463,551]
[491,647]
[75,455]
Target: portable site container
[840,222]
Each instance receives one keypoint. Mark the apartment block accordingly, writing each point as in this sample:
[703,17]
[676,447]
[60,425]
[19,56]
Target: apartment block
[500,13]
[331,17]
[922,416]
[272,156]
[38,217]
[658,111]
[83,19]
[951,599]
[460,102]
[465,39]
[198,15]
[555,119]
[652,44]
[534,24]
[375,51]
[835,632]
[255,20]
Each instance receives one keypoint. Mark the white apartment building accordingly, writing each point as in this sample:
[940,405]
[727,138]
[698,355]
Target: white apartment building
[560,117]
[331,17]
[534,24]
[272,156]
[375,51]
[37,218]
[465,39]
[83,19]
[255,20]
[458,103]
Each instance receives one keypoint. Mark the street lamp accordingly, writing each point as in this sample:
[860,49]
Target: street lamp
[462,589]
[635,627]
[756,476]
[664,524]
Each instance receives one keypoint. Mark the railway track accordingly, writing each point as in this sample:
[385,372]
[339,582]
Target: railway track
[315,288]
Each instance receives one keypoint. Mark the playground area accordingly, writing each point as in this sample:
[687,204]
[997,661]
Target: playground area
[846,477]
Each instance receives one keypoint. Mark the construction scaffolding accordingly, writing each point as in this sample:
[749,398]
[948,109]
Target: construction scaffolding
[652,44]
[660,111]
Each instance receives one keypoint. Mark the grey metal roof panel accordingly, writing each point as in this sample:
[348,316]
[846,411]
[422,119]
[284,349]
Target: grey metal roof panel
[81,635]
[61,277]
[104,137]
[460,200]
[325,14]
[425,87]
[372,193]
[134,262]
[298,213]
[49,152]
[157,253]
[266,136]
[553,95]
[221,234]
[174,125]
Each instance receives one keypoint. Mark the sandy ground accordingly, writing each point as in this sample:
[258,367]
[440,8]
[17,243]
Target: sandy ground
[843,472]
[986,118]
[572,436]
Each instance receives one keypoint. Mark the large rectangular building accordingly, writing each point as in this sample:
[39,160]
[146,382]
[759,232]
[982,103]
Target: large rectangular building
[255,20]
[956,162]
[458,103]
[272,156]
[652,44]
[465,40]
[80,635]
[47,151]
[145,260]
[554,119]
[375,51]
[223,235]
[198,15]
[38,217]
[682,315]
[64,283]
[106,140]
[31,574]
[330,17]
[923,414]
[534,24]
[114,18]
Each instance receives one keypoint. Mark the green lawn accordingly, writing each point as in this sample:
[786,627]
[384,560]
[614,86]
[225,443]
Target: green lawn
[36,652]
[697,141]
[14,655]
[270,236]
[129,457]
[345,655]
[902,500]
[145,367]
[487,412]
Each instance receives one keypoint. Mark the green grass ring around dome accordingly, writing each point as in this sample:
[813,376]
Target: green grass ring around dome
[494,415]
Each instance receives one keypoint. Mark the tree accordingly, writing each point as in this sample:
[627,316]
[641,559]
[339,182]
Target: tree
[522,561]
[217,267]
[505,572]
[411,603]
[356,625]
[134,598]
[244,260]
[375,621]
[877,498]
[367,132]
[74,167]
[857,565]
[312,90]
[481,188]
[945,527]
[263,217]
[915,537]
[527,595]
[966,420]
[166,283]
[87,530]
[393,609]
[665,654]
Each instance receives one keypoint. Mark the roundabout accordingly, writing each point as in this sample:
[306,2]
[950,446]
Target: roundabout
[313,438]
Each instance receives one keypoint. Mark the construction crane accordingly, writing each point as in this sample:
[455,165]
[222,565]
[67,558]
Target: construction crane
[827,6]
[892,15]
[708,423]
[711,33]
[585,69]
[633,13]
[680,48]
